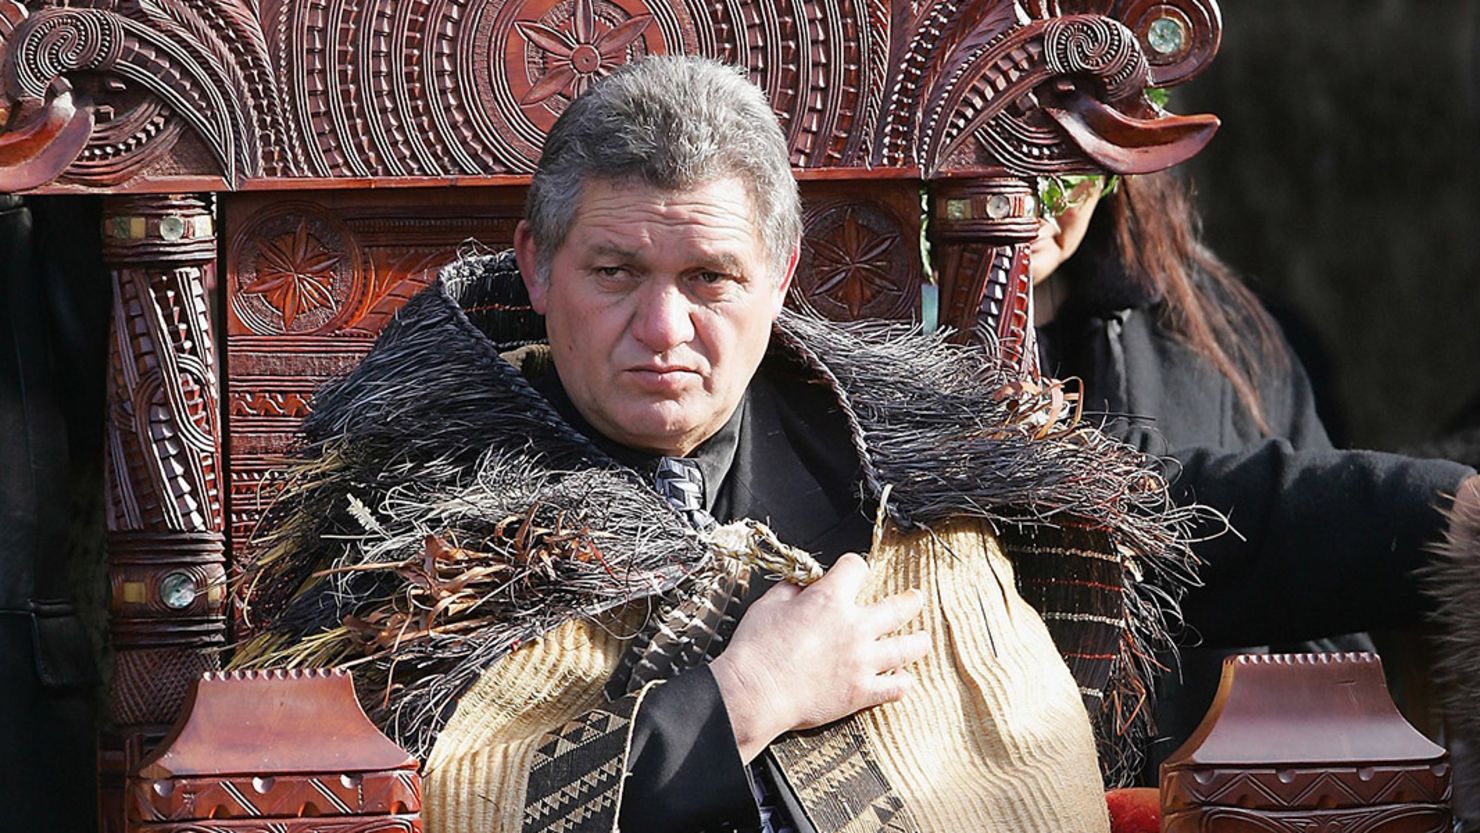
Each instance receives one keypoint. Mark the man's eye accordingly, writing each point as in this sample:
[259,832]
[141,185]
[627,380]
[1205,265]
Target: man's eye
[611,273]
[712,277]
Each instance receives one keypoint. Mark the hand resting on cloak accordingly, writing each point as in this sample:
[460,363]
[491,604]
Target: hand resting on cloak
[802,658]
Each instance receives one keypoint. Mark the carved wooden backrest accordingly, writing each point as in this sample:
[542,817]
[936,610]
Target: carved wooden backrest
[320,158]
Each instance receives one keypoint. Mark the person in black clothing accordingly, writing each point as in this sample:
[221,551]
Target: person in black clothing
[54,305]
[1181,361]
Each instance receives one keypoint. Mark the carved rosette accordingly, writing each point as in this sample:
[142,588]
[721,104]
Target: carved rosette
[857,261]
[552,59]
[372,88]
[166,564]
[373,252]
[297,270]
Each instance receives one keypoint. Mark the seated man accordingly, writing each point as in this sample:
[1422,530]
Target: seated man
[522,563]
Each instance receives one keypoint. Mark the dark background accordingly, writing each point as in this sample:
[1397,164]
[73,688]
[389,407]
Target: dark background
[1344,185]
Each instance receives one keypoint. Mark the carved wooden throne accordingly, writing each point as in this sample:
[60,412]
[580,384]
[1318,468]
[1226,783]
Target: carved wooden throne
[305,165]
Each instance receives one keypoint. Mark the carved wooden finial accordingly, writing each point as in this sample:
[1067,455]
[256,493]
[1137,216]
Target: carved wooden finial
[290,746]
[1298,742]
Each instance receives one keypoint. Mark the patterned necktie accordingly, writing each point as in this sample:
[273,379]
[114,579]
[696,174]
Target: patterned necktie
[681,483]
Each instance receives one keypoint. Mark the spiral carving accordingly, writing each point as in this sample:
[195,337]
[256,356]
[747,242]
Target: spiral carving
[1200,23]
[1097,46]
[64,41]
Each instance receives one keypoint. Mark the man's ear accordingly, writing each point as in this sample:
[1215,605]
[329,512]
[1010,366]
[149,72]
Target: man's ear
[786,276]
[527,254]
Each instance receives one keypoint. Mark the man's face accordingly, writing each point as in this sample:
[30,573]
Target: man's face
[659,307]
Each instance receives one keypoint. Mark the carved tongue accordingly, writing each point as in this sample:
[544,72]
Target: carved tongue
[1126,145]
[42,145]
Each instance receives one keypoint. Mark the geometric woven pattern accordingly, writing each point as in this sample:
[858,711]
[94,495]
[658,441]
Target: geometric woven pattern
[837,780]
[576,775]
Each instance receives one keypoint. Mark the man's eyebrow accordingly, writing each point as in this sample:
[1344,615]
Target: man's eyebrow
[613,250]
[724,262]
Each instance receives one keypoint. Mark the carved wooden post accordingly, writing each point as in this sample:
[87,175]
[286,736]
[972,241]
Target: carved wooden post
[166,562]
[981,229]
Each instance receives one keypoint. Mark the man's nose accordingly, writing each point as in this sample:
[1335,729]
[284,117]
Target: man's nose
[663,319]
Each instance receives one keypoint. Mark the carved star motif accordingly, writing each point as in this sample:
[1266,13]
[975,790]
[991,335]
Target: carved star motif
[578,54]
[853,265]
[295,273]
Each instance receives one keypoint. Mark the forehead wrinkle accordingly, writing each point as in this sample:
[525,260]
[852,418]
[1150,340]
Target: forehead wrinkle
[704,254]
[606,248]
[624,219]
[617,189]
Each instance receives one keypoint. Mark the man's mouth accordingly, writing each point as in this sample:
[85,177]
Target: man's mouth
[663,376]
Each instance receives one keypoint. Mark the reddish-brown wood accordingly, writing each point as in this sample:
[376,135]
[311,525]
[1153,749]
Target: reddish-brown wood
[860,253]
[1305,742]
[982,228]
[374,89]
[310,281]
[165,502]
[269,750]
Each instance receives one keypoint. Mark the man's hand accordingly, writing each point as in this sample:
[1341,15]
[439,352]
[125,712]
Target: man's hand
[803,658]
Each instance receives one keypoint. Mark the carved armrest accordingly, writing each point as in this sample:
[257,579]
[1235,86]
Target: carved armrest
[1305,742]
[286,751]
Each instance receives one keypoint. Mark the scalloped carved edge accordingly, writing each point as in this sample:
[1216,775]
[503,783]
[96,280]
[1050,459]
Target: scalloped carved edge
[923,85]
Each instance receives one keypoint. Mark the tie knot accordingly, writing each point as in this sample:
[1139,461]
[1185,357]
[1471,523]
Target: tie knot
[681,482]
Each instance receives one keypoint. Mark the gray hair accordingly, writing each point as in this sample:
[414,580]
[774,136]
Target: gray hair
[671,122]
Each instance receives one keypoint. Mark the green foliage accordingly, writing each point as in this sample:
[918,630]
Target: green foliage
[1060,192]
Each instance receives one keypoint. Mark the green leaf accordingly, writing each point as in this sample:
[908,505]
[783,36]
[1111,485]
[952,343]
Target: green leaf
[1060,192]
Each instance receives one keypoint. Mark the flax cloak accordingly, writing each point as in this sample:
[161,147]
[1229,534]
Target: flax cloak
[436,456]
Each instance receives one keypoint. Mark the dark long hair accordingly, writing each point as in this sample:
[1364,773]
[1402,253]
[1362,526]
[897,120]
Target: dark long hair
[1150,228]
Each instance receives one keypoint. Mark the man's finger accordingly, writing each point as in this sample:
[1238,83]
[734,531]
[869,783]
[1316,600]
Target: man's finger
[844,578]
[886,688]
[890,613]
[898,651]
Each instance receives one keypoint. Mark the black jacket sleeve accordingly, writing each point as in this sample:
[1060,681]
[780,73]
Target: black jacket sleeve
[685,771]
[1327,542]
